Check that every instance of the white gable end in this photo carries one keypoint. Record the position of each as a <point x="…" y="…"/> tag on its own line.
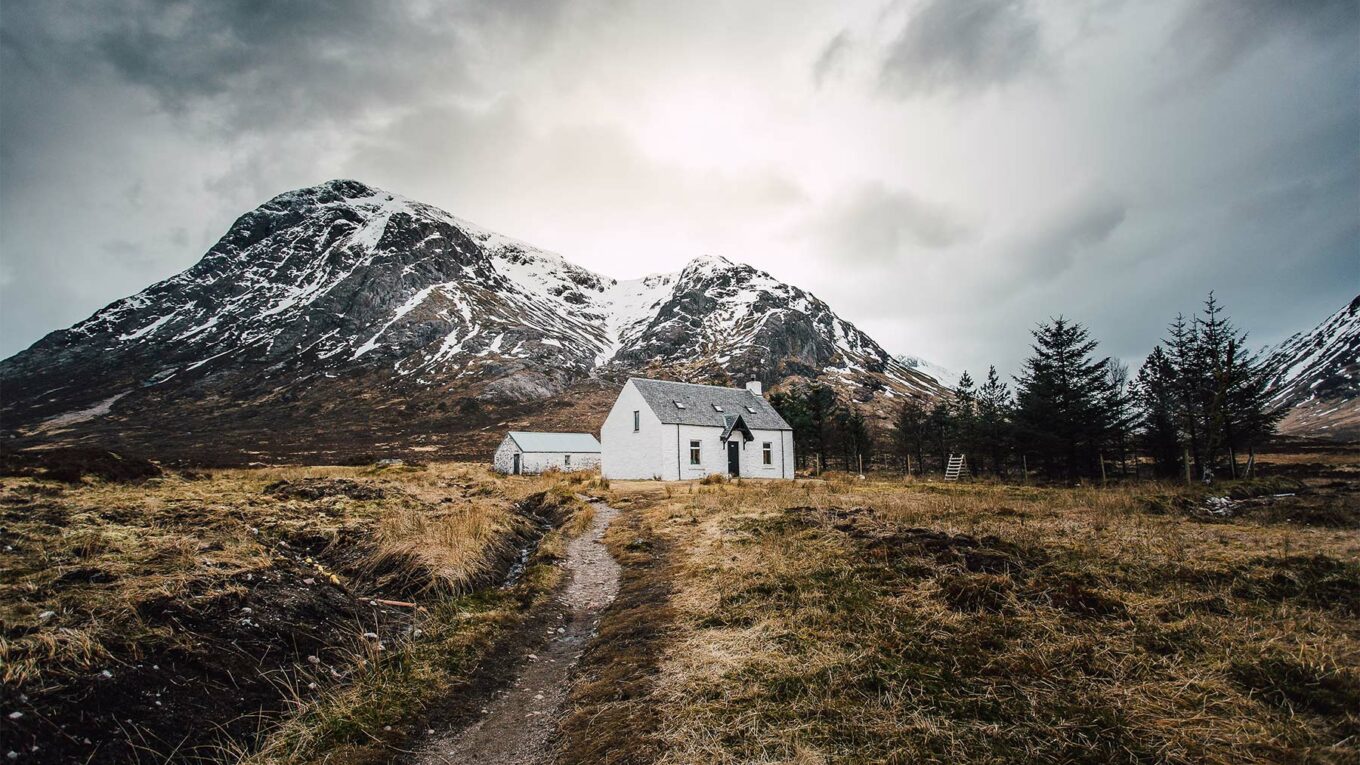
<point x="638" y="442"/>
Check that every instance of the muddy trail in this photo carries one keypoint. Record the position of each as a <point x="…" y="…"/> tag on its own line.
<point x="517" y="725"/>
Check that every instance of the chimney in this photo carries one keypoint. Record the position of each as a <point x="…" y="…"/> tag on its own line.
<point x="754" y="387"/>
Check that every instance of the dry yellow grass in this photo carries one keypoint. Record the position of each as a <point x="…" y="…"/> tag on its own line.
<point x="239" y="572"/>
<point x="881" y="621"/>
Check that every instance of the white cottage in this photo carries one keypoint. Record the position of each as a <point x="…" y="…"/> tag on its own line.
<point x="528" y="453"/>
<point x="679" y="431"/>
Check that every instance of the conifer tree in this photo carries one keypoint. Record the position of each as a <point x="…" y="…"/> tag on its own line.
<point x="822" y="408"/>
<point x="1154" y="394"/>
<point x="963" y="414"/>
<point x="792" y="406"/>
<point x="910" y="432"/>
<point x="994" y="407"/>
<point x="1063" y="413"/>
<point x="856" y="440"/>
<point x="1207" y="391"/>
<point x="940" y="426"/>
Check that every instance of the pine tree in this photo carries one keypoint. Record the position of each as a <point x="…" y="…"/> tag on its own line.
<point x="964" y="416"/>
<point x="1208" y="390"/>
<point x="1063" y="412"/>
<point x="994" y="408"/>
<point x="857" y="441"/>
<point x="792" y="406"/>
<point x="1154" y="394"/>
<point x="822" y="409"/>
<point x="940" y="426"/>
<point x="910" y="433"/>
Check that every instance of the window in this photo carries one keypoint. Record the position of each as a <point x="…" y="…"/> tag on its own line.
<point x="766" y="453"/>
<point x="566" y="459"/>
<point x="637" y="420"/>
<point x="694" y="453"/>
<point x="679" y="405"/>
<point x="717" y="408"/>
<point x="751" y="409"/>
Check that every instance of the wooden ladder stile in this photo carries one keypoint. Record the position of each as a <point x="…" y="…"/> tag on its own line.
<point x="955" y="468"/>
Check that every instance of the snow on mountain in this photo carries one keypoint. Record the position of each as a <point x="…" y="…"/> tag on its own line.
<point x="347" y="283"/>
<point x="1317" y="377"/>
<point x="946" y="377"/>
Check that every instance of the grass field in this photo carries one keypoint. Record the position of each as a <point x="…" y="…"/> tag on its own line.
<point x="854" y="621"/>
<point x="309" y="615"/>
<point x="290" y="610"/>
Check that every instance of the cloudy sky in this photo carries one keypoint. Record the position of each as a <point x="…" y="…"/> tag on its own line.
<point x="945" y="173"/>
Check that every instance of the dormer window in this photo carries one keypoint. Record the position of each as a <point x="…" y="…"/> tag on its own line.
<point x="717" y="408"/>
<point x="751" y="409"/>
<point x="679" y="405"/>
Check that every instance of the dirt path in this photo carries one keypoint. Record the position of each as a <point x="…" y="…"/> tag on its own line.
<point x="517" y="726"/>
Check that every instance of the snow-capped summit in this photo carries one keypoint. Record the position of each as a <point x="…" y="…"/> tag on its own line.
<point x="1316" y="377"/>
<point x="346" y="286"/>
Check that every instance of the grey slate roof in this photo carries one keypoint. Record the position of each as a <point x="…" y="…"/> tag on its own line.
<point x="661" y="396"/>
<point x="566" y="443"/>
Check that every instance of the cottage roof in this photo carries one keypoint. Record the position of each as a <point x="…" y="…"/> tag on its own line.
<point x="707" y="404"/>
<point x="529" y="441"/>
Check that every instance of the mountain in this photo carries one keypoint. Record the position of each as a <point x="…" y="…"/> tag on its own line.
<point x="342" y="318"/>
<point x="945" y="377"/>
<point x="1316" y="377"/>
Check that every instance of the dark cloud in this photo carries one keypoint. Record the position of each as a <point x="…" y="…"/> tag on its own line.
<point x="632" y="136"/>
<point x="877" y="224"/>
<point x="1217" y="33"/>
<point x="1070" y="234"/>
<point x="962" y="45"/>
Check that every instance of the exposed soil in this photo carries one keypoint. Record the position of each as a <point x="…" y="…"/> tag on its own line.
<point x="70" y="465"/>
<point x="518" y="725"/>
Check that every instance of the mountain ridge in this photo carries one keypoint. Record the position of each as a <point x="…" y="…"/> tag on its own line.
<point x="347" y="288"/>
<point x="1316" y="377"/>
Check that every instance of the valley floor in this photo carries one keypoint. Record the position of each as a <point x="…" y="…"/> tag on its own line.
<point x="816" y="621"/>
<point x="848" y="621"/>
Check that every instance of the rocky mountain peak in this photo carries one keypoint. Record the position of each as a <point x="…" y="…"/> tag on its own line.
<point x="344" y="286"/>
<point x="1316" y="377"/>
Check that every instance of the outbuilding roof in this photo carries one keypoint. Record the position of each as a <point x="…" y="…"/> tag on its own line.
<point x="574" y="443"/>
<point x="691" y="404"/>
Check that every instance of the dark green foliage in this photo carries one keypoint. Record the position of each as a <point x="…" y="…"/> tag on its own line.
<point x="823" y="426"/>
<point x="1066" y="403"/>
<point x="1204" y="395"/>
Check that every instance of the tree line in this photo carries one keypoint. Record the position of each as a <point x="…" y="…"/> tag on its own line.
<point x="1196" y="408"/>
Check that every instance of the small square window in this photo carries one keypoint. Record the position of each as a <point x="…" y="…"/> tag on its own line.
<point x="717" y="408"/>
<point x="679" y="405"/>
<point x="694" y="448"/>
<point x="751" y="409"/>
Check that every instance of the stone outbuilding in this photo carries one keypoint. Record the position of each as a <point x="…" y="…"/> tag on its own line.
<point x="529" y="453"/>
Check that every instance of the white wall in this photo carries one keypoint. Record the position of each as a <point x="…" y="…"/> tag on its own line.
<point x="537" y="462"/>
<point x="659" y="450"/>
<point x="628" y="454"/>
<point x="713" y="453"/>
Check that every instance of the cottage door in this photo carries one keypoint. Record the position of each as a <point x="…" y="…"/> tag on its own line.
<point x="516" y="468"/>
<point x="733" y="458"/>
